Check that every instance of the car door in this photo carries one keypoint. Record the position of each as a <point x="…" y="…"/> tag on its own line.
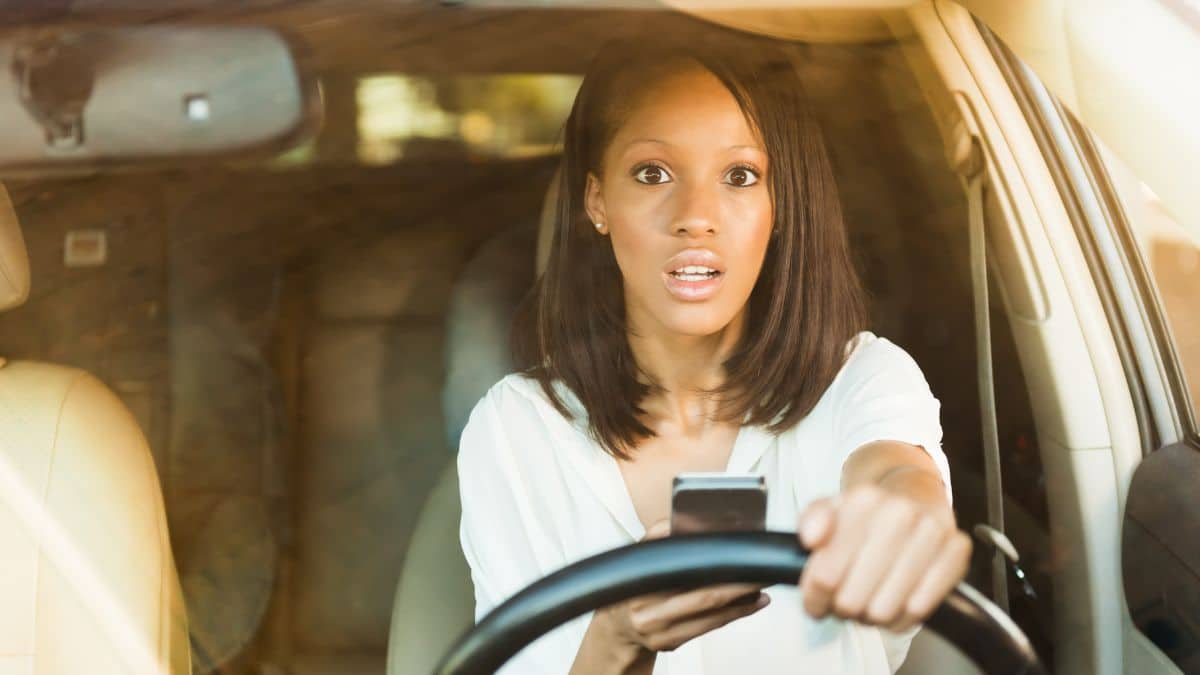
<point x="1113" y="124"/>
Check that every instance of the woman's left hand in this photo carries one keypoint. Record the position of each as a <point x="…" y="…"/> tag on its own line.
<point x="879" y="557"/>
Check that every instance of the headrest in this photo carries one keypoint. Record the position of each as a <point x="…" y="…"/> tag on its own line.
<point x="14" y="262"/>
<point x="546" y="224"/>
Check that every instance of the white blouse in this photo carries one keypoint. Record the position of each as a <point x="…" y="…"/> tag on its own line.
<point x="539" y="494"/>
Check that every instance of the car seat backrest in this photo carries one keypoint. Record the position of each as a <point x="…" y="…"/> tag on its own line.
<point x="86" y="570"/>
<point x="14" y="261"/>
<point x="478" y="322"/>
<point x="434" y="599"/>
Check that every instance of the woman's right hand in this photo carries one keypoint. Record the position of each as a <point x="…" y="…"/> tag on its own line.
<point x="661" y="622"/>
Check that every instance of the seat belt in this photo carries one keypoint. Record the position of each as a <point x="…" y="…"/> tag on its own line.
<point x="967" y="159"/>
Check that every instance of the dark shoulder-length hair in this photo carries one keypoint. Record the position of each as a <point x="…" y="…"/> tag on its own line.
<point x="804" y="308"/>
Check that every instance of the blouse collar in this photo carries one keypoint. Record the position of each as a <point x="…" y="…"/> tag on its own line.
<point x="600" y="472"/>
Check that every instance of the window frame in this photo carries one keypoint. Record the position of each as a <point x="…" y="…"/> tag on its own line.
<point x="1125" y="288"/>
<point x="1138" y="277"/>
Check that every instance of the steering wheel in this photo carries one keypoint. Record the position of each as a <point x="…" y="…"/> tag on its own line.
<point x="965" y="618"/>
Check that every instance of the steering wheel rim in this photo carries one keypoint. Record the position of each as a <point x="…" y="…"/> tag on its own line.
<point x="984" y="634"/>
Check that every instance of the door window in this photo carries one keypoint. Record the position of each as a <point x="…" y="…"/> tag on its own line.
<point x="1171" y="252"/>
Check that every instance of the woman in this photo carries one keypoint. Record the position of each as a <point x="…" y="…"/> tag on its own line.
<point x="700" y="312"/>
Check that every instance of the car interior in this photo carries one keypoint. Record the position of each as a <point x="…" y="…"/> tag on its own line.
<point x="294" y="340"/>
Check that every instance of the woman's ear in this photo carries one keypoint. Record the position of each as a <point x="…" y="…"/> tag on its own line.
<point x="593" y="203"/>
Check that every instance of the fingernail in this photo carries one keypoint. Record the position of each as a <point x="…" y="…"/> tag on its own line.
<point x="763" y="600"/>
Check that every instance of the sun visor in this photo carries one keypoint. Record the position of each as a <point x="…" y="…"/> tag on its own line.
<point x="851" y="22"/>
<point x="14" y="262"/>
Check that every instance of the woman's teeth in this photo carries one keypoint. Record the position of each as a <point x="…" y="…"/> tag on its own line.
<point x="694" y="273"/>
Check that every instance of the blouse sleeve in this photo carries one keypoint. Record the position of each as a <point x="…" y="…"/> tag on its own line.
<point x="499" y="529"/>
<point x="882" y="395"/>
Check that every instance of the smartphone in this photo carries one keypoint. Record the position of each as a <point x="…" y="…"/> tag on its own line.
<point x="718" y="502"/>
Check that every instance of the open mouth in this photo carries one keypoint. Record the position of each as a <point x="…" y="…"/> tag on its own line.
<point x="693" y="275"/>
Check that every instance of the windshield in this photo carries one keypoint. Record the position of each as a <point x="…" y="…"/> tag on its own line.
<point x="299" y="327"/>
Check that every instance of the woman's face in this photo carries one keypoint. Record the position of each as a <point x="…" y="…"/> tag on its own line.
<point x="683" y="194"/>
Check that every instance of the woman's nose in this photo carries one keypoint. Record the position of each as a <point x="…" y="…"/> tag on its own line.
<point x="697" y="212"/>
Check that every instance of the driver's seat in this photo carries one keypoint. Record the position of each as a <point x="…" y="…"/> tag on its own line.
<point x="86" y="574"/>
<point x="434" y="600"/>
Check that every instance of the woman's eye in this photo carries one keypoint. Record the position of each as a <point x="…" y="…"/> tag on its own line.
<point x="652" y="175"/>
<point x="741" y="177"/>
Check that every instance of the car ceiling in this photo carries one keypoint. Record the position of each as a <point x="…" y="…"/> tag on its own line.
<point x="403" y="36"/>
<point x="408" y="37"/>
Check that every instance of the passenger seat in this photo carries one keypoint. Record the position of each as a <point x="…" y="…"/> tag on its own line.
<point x="87" y="577"/>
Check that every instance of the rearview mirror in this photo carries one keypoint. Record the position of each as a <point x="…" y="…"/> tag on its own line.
<point x="112" y="96"/>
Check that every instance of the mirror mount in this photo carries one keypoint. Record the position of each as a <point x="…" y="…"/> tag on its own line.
<point x="55" y="80"/>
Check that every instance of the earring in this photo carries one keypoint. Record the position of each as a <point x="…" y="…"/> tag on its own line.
<point x="599" y="227"/>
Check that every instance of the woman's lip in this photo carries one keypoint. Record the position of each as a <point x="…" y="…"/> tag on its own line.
<point x="692" y="291"/>
<point x="697" y="257"/>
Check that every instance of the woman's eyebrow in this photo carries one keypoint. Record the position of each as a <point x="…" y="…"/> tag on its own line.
<point x="646" y="140"/>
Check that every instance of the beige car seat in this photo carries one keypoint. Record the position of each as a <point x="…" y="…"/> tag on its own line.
<point x="86" y="573"/>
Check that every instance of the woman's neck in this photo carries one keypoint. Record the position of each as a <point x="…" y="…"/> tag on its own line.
<point x="683" y="368"/>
